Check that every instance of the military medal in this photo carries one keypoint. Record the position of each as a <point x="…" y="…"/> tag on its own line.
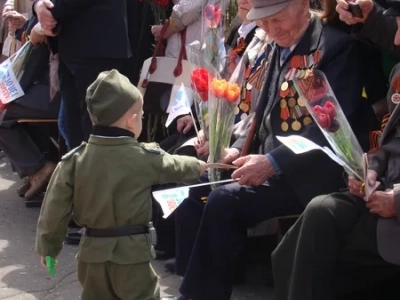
<point x="295" y="62"/>
<point x="244" y="107"/>
<point x="284" y="115"/>
<point x="296" y="125"/>
<point x="292" y="102"/>
<point x="285" y="90"/>
<point x="307" y="121"/>
<point x="396" y="87"/>
<point x="396" y="98"/>
<point x="301" y="101"/>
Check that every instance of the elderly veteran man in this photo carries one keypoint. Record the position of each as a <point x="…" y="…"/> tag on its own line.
<point x="275" y="182"/>
<point x="341" y="242"/>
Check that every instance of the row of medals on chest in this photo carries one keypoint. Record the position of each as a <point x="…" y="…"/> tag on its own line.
<point x="293" y="107"/>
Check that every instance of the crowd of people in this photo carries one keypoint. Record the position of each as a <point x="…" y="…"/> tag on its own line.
<point x="337" y="233"/>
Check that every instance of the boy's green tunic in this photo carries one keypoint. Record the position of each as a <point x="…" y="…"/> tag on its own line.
<point x="107" y="182"/>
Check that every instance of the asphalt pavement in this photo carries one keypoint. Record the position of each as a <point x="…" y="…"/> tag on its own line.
<point x="22" y="277"/>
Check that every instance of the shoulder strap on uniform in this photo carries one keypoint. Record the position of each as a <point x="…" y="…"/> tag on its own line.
<point x="73" y="151"/>
<point x="151" y="148"/>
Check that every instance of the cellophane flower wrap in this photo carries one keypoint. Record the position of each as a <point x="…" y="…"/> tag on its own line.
<point x="223" y="100"/>
<point x="200" y="73"/>
<point x="315" y="91"/>
<point x="20" y="58"/>
<point x="213" y="32"/>
<point x="159" y="8"/>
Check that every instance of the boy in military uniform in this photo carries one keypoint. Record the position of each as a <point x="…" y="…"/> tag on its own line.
<point x="107" y="183"/>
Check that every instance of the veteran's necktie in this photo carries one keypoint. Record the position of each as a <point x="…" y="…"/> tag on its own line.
<point x="284" y="54"/>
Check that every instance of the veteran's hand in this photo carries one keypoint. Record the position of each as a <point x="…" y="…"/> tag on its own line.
<point x="6" y="9"/>
<point x="201" y="139"/>
<point x="42" y="9"/>
<point x="202" y="150"/>
<point x="253" y="170"/>
<point x="184" y="124"/>
<point x="356" y="187"/>
<point x="230" y="155"/>
<point x="347" y="17"/>
<point x="15" y="21"/>
<point x="382" y="203"/>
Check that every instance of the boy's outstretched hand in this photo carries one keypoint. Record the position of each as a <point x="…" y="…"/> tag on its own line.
<point x="43" y="262"/>
<point x="203" y="167"/>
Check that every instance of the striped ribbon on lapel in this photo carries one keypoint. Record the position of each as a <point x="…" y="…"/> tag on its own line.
<point x="375" y="135"/>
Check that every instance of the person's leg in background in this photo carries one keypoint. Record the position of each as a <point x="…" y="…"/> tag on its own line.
<point x="76" y="75"/>
<point x="71" y="107"/>
<point x="84" y="73"/>
<point x="23" y="153"/>
<point x="62" y="125"/>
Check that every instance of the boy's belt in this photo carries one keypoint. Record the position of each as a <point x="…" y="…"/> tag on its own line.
<point x="116" y="232"/>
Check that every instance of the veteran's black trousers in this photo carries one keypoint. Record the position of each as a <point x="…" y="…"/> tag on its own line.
<point x="222" y="234"/>
<point x="75" y="77"/>
<point x="330" y="251"/>
<point x="20" y="144"/>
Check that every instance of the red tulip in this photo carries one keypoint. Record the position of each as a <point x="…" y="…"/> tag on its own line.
<point x="213" y="15"/>
<point x="324" y="120"/>
<point x="200" y="79"/>
<point x="330" y="109"/>
<point x="318" y="109"/>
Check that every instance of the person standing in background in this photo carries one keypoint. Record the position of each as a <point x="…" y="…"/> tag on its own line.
<point x="92" y="37"/>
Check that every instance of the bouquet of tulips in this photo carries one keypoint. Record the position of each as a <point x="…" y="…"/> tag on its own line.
<point x="200" y="73"/>
<point x="318" y="97"/>
<point x="223" y="105"/>
<point x="217" y="76"/>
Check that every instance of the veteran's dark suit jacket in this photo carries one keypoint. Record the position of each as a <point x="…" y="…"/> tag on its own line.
<point x="379" y="31"/>
<point x="313" y="173"/>
<point x="92" y="29"/>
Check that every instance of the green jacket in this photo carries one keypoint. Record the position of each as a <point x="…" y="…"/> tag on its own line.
<point x="107" y="183"/>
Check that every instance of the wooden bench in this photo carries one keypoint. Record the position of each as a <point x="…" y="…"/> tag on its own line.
<point x="57" y="141"/>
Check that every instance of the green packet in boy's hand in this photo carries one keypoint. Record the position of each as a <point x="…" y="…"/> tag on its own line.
<point x="51" y="266"/>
